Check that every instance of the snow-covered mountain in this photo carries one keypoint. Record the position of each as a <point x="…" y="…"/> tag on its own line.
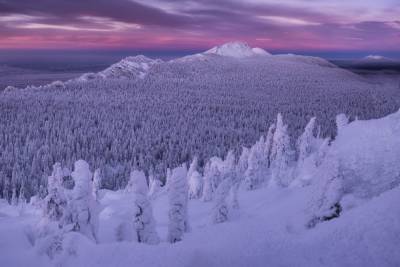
<point x="135" y="67"/>
<point x="237" y="50"/>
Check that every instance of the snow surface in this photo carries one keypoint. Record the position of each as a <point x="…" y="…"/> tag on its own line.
<point x="269" y="228"/>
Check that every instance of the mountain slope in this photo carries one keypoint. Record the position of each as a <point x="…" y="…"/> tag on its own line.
<point x="135" y="67"/>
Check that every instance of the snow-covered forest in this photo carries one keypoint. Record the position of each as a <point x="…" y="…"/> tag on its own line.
<point x="334" y="204"/>
<point x="152" y="115"/>
<point x="231" y="157"/>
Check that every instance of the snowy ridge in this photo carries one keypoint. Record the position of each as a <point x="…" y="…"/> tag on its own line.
<point x="305" y="59"/>
<point x="135" y="67"/>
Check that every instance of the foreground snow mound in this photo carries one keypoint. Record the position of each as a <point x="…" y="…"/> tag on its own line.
<point x="237" y="50"/>
<point x="128" y="68"/>
<point x="369" y="155"/>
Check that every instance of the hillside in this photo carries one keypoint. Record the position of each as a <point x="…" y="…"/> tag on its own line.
<point x="155" y="115"/>
<point x="269" y="225"/>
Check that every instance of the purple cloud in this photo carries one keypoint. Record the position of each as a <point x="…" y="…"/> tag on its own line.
<point x="162" y="24"/>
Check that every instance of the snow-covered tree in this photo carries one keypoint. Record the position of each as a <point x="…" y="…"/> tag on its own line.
<point x="55" y="210"/>
<point x="97" y="178"/>
<point x="242" y="164"/>
<point x="193" y="166"/>
<point x="83" y="210"/>
<point x="155" y="187"/>
<point x="306" y="142"/>
<point x="241" y="168"/>
<point x="178" y="205"/>
<point x="144" y="224"/>
<point x="257" y="166"/>
<point x="195" y="180"/>
<point x="14" y="197"/>
<point x="268" y="144"/>
<point x="281" y="155"/>
<point x="168" y="179"/>
<point x="220" y="209"/>
<point x="195" y="185"/>
<point x="307" y="145"/>
<point x="212" y="178"/>
<point x="55" y="203"/>
<point x="328" y="191"/>
<point x="21" y="196"/>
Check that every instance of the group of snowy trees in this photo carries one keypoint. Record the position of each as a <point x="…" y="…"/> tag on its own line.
<point x="68" y="210"/>
<point x="271" y="162"/>
<point x="178" y="111"/>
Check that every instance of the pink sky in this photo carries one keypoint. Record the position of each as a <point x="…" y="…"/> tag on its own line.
<point x="186" y="24"/>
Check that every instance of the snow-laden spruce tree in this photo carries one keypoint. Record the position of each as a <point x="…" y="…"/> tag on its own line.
<point x="97" y="178"/>
<point x="328" y="191"/>
<point x="307" y="146"/>
<point x="257" y="166"/>
<point x="281" y="155"/>
<point x="178" y="205"/>
<point x="220" y="210"/>
<point x="167" y="179"/>
<point x="212" y="178"/>
<point x="21" y="196"/>
<point x="16" y="180"/>
<point x="195" y="180"/>
<point x="14" y="197"/>
<point x="241" y="168"/>
<point x="83" y="210"/>
<point x="306" y="142"/>
<point x="195" y="185"/>
<point x="257" y="172"/>
<point x="55" y="202"/>
<point x="268" y="144"/>
<point x="55" y="208"/>
<point x="154" y="187"/>
<point x="193" y="166"/>
<point x="242" y="164"/>
<point x="144" y="224"/>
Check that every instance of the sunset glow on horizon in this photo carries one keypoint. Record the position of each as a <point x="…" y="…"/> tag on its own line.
<point x="186" y="24"/>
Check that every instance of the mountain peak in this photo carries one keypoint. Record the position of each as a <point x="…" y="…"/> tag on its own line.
<point x="237" y="49"/>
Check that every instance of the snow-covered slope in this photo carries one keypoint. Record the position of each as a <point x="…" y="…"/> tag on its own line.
<point x="369" y="151"/>
<point x="128" y="68"/>
<point x="305" y="59"/>
<point x="237" y="50"/>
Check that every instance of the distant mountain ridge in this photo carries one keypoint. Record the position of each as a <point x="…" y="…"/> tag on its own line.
<point x="138" y="67"/>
